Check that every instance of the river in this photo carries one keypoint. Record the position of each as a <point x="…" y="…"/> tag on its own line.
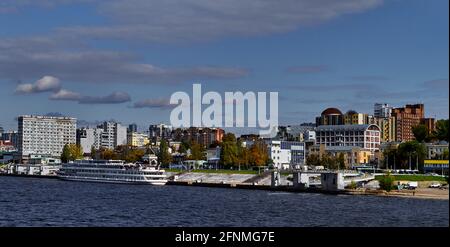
<point x="52" y="202"/>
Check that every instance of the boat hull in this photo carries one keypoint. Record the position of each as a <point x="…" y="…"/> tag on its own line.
<point x="113" y="181"/>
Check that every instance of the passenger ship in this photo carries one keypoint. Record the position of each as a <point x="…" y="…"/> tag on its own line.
<point x="111" y="171"/>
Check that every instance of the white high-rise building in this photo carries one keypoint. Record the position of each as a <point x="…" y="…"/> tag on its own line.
<point x="107" y="135"/>
<point x="88" y="138"/>
<point x="382" y="110"/>
<point x="44" y="135"/>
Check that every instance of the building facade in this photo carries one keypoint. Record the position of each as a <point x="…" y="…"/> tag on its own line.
<point x="203" y="136"/>
<point x="89" y="138"/>
<point x="286" y="154"/>
<point x="157" y="132"/>
<point x="12" y="137"/>
<point x="330" y="116"/>
<point x="352" y="155"/>
<point x="44" y="135"/>
<point x="353" y="117"/>
<point x="406" y="118"/>
<point x="113" y="135"/>
<point x="382" y="110"/>
<point x="366" y="136"/>
<point x="387" y="128"/>
<point x="137" y="139"/>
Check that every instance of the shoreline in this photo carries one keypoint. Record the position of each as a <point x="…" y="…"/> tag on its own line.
<point x="419" y="193"/>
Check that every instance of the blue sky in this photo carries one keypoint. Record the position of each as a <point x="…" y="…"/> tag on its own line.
<point x="99" y="60"/>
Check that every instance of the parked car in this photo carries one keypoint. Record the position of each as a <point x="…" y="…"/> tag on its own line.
<point x="435" y="185"/>
<point x="412" y="185"/>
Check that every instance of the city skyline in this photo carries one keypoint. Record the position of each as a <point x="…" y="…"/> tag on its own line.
<point x="116" y="63"/>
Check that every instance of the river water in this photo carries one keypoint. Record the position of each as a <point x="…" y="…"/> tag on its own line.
<point x="52" y="202"/>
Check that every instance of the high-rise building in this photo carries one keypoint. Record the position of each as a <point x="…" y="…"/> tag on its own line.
<point x="406" y="118"/>
<point x="132" y="128"/>
<point x="382" y="110"/>
<point x="160" y="131"/>
<point x="89" y="138"/>
<point x="113" y="135"/>
<point x="387" y="128"/>
<point x="107" y="135"/>
<point x="44" y="135"/>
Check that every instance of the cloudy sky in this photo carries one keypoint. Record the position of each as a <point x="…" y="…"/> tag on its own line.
<point x="122" y="59"/>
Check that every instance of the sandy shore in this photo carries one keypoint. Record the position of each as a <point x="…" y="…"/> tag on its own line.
<point x="420" y="193"/>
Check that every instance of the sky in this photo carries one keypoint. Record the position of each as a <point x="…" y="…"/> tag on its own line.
<point x="122" y="59"/>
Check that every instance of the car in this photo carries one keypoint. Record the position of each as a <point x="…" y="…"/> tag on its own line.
<point x="435" y="185"/>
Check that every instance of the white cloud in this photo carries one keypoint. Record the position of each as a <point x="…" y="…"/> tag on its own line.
<point x="64" y="94"/>
<point x="45" y="84"/>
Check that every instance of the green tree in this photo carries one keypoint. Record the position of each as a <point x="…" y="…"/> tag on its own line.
<point x="229" y="155"/>
<point x="341" y="161"/>
<point x="411" y="152"/>
<point x="65" y="156"/>
<point x="386" y="182"/>
<point x="197" y="151"/>
<point x="391" y="157"/>
<point x="420" y="132"/>
<point x="445" y="154"/>
<point x="93" y="152"/>
<point x="164" y="157"/>
<point x="441" y="132"/>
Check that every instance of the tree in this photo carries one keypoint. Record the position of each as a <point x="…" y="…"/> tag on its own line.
<point x="313" y="160"/>
<point x="258" y="154"/>
<point x="65" y="156"/>
<point x="391" y="157"/>
<point x="164" y="157"/>
<point x="229" y="155"/>
<point x="184" y="147"/>
<point x="341" y="161"/>
<point x="197" y="151"/>
<point x="441" y="132"/>
<point x="243" y="155"/>
<point x="93" y="152"/>
<point x="386" y="182"/>
<point x="420" y="132"/>
<point x="71" y="152"/>
<point x="408" y="151"/>
<point x="445" y="154"/>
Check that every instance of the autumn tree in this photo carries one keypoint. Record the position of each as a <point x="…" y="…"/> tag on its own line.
<point x="71" y="152"/>
<point x="258" y="153"/>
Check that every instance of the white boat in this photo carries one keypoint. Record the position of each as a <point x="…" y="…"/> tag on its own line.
<point x="111" y="171"/>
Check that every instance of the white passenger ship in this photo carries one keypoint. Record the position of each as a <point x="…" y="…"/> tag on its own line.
<point x="111" y="171"/>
